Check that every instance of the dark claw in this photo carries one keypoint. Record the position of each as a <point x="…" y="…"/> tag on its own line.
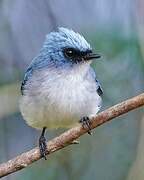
<point x="42" y="145"/>
<point x="86" y="123"/>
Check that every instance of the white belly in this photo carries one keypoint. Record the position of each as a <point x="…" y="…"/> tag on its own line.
<point x="59" y="103"/>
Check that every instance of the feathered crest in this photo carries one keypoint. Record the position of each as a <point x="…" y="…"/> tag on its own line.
<point x="66" y="38"/>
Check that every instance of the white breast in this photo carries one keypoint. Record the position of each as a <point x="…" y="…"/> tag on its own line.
<point x="59" y="99"/>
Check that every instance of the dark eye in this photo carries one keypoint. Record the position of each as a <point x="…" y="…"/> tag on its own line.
<point x="71" y="53"/>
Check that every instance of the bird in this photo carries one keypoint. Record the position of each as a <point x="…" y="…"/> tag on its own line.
<point x="60" y="88"/>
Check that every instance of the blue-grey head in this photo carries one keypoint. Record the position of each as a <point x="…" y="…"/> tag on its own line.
<point x="67" y="47"/>
<point x="63" y="48"/>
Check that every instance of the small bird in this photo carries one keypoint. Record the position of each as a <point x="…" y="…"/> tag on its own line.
<point x="60" y="88"/>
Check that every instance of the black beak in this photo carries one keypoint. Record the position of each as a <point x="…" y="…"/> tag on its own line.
<point x="92" y="56"/>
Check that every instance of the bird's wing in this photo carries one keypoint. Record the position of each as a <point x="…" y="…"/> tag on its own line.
<point x="27" y="75"/>
<point x="98" y="86"/>
<point x="38" y="62"/>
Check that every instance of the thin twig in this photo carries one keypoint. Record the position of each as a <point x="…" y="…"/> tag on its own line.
<point x="66" y="138"/>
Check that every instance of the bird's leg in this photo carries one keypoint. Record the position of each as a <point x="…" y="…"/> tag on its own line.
<point x="42" y="144"/>
<point x="86" y="123"/>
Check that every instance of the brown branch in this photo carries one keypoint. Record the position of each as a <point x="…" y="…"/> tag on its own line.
<point x="66" y="138"/>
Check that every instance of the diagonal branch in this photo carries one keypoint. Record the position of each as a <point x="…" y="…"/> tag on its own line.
<point x="67" y="137"/>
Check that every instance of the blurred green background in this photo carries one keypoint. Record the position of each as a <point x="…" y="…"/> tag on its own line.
<point x="115" y="28"/>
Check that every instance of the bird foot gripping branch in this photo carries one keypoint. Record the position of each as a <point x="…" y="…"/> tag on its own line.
<point x="86" y="123"/>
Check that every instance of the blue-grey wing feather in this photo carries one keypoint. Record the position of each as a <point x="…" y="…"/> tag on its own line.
<point x="98" y="85"/>
<point x="99" y="88"/>
<point x="37" y="63"/>
<point x="27" y="75"/>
